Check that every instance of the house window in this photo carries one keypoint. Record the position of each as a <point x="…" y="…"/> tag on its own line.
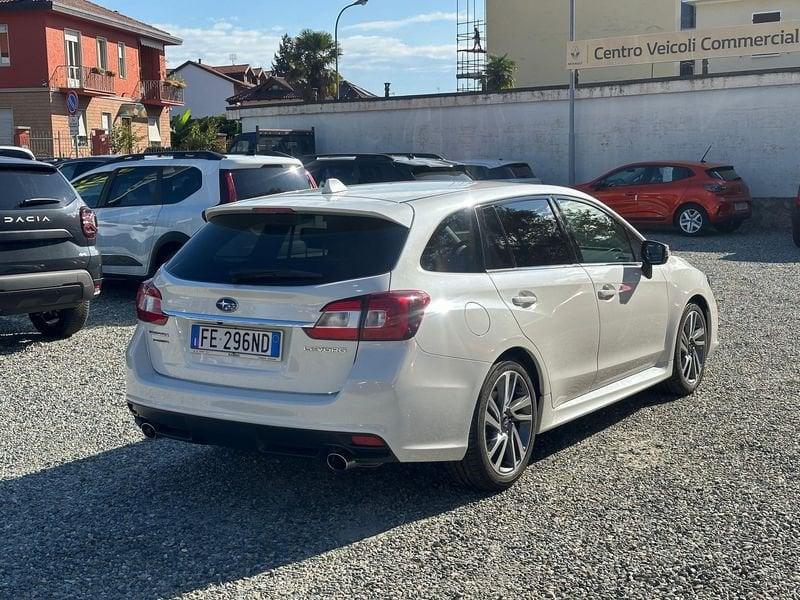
<point x="102" y="54"/>
<point x="153" y="132"/>
<point x="767" y="17"/>
<point x="121" y="68"/>
<point x="5" y="53"/>
<point x="688" y="16"/>
<point x="105" y="121"/>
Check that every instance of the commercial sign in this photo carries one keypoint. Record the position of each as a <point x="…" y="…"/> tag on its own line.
<point x="692" y="44"/>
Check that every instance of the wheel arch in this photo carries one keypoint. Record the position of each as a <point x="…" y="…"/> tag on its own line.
<point x="535" y="372"/>
<point x="172" y="239"/>
<point x="688" y="202"/>
<point x="700" y="300"/>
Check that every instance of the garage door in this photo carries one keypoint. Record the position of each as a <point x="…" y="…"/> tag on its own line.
<point x="6" y="126"/>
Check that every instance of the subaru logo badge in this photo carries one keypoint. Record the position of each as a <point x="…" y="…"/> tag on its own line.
<point x="227" y="305"/>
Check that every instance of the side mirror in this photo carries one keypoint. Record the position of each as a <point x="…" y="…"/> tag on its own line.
<point x="653" y="254"/>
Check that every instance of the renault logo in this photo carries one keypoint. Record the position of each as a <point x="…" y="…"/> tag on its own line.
<point x="575" y="52"/>
<point x="227" y="305"/>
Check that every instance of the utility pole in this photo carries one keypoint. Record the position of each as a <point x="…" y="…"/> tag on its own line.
<point x="572" y="98"/>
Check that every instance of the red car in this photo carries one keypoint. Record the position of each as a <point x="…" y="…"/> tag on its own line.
<point x="692" y="196"/>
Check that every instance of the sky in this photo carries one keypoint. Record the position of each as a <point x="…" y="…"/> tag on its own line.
<point x="410" y="43"/>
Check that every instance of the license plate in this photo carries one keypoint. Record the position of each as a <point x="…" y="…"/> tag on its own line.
<point x="237" y="342"/>
<point x="740" y="206"/>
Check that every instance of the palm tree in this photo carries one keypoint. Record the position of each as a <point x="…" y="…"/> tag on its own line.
<point x="313" y="53"/>
<point x="499" y="73"/>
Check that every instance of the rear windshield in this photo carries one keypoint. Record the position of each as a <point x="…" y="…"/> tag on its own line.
<point x="522" y="171"/>
<point x="19" y="185"/>
<point x="724" y="173"/>
<point x="440" y="174"/>
<point x="289" y="249"/>
<point x="270" y="179"/>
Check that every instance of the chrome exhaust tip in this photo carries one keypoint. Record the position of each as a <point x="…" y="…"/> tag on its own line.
<point x="339" y="463"/>
<point x="149" y="431"/>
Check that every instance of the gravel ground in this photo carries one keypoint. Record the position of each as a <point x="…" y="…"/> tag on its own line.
<point x="651" y="497"/>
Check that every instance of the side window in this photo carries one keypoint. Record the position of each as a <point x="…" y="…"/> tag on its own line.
<point x="496" y="250"/>
<point x="373" y="173"/>
<point x="134" y="186"/>
<point x="630" y="176"/>
<point x="344" y="171"/>
<point x="600" y="238"/>
<point x="178" y="183"/>
<point x="453" y="247"/>
<point x="534" y="235"/>
<point x="669" y="174"/>
<point x="90" y="188"/>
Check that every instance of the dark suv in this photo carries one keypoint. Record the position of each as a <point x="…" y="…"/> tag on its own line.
<point x="49" y="267"/>
<point x="353" y="169"/>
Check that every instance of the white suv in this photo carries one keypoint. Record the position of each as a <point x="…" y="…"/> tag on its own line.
<point x="412" y="322"/>
<point x="149" y="205"/>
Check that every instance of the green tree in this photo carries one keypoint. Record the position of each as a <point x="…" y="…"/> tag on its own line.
<point x="499" y="73"/>
<point x="124" y="139"/>
<point x="305" y="62"/>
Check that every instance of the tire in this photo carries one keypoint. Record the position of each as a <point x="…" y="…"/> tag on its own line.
<point x="691" y="341"/>
<point x="490" y="463"/>
<point x="728" y="226"/>
<point x="691" y="220"/>
<point x="61" y="324"/>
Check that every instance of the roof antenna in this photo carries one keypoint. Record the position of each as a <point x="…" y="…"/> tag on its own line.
<point x="702" y="160"/>
<point x="233" y="57"/>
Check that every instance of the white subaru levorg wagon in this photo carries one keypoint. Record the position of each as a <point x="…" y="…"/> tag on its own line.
<point x="411" y="322"/>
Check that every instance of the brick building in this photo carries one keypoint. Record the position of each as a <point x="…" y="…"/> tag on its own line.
<point x="114" y="63"/>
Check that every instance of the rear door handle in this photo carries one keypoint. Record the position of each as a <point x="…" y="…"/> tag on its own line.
<point x="607" y="292"/>
<point x="526" y="299"/>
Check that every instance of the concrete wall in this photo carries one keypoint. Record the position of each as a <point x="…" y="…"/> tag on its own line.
<point x="751" y="120"/>
<point x="205" y="93"/>
<point x="712" y="13"/>
<point x="535" y="32"/>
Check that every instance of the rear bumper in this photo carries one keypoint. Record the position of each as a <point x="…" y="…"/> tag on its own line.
<point x="420" y="404"/>
<point x="728" y="211"/>
<point x="263" y="438"/>
<point x="38" y="292"/>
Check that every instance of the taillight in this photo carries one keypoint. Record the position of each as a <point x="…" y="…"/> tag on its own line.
<point x="228" y="188"/>
<point x="384" y="317"/>
<point x="89" y="223"/>
<point x="312" y="183"/>
<point x="716" y="188"/>
<point x="148" y="304"/>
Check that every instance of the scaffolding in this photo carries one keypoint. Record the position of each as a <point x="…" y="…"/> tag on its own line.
<point x="471" y="45"/>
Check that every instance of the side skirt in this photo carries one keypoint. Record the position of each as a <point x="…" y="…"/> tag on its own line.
<point x="597" y="399"/>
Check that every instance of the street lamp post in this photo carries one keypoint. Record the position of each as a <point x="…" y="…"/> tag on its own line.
<point x="336" y="38"/>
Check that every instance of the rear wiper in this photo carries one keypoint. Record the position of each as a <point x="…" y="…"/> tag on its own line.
<point x="38" y="201"/>
<point x="272" y="274"/>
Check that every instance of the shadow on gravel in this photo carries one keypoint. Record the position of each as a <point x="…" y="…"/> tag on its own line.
<point x="157" y="519"/>
<point x="574" y="432"/>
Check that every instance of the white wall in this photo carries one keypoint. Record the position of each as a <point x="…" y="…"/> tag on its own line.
<point x="205" y="93"/>
<point x="752" y="121"/>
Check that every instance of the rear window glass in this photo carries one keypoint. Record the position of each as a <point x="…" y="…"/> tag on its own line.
<point x="26" y="184"/>
<point x="427" y="174"/>
<point x="289" y="249"/>
<point x="271" y="179"/>
<point x="724" y="173"/>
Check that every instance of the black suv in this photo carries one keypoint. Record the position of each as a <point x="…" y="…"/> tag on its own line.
<point x="49" y="267"/>
<point x="353" y="169"/>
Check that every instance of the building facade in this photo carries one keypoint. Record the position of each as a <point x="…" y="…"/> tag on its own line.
<point x="208" y="88"/>
<point x="535" y="35"/>
<point x="733" y="13"/>
<point x="115" y="65"/>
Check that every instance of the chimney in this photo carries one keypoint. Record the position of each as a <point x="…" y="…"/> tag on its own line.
<point x="386" y="87"/>
<point x="199" y="61"/>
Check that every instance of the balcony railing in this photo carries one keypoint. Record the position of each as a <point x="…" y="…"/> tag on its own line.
<point x="160" y="92"/>
<point x="82" y="79"/>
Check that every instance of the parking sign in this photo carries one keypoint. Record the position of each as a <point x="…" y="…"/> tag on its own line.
<point x="74" y="125"/>
<point x="72" y="103"/>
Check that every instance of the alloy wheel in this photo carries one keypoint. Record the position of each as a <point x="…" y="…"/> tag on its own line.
<point x="508" y="423"/>
<point x="690" y="221"/>
<point x="693" y="347"/>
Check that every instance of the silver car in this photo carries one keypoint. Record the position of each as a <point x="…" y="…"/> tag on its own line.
<point x="408" y="322"/>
